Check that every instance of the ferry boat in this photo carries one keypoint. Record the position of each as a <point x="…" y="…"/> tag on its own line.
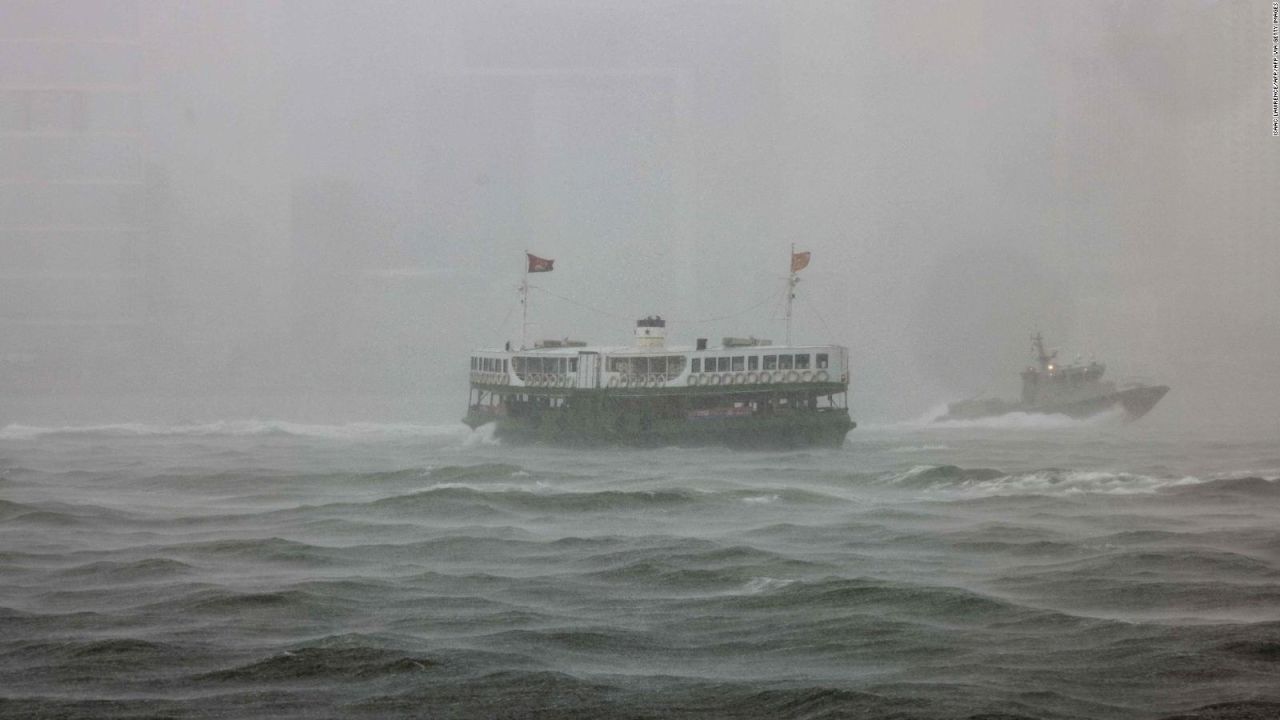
<point x="742" y="393"/>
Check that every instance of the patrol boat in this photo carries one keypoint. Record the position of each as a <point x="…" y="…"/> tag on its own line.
<point x="742" y="393"/>
<point x="1074" y="390"/>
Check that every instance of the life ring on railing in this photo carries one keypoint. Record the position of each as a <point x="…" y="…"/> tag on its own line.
<point x="739" y="378"/>
<point x="613" y="381"/>
<point x="713" y="379"/>
<point x="821" y="376"/>
<point x="691" y="381"/>
<point x="806" y="375"/>
<point x="793" y="376"/>
<point x="726" y="378"/>
<point x="753" y="378"/>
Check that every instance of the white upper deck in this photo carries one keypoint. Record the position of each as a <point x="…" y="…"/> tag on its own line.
<point x="587" y="366"/>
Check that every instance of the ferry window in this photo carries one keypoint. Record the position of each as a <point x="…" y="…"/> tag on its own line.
<point x="770" y="362"/>
<point x="696" y="366"/>
<point x="753" y="362"/>
<point x="675" y="365"/>
<point x="615" y="365"/>
<point x="822" y="361"/>
<point x="739" y="363"/>
<point x="504" y="365"/>
<point x="802" y="361"/>
<point x="784" y="362"/>
<point x="573" y="365"/>
<point x="722" y="364"/>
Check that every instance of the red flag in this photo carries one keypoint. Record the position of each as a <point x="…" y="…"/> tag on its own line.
<point x="537" y="264"/>
<point x="799" y="261"/>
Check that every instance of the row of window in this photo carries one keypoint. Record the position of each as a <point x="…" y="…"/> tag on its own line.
<point x="483" y="364"/>
<point x="545" y="365"/>
<point x="737" y="363"/>
<point x="669" y="365"/>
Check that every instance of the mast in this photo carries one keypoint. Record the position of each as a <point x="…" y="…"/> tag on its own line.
<point x="524" y="302"/>
<point x="792" y="280"/>
<point x="1037" y="345"/>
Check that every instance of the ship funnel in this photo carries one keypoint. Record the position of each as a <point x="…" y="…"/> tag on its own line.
<point x="651" y="332"/>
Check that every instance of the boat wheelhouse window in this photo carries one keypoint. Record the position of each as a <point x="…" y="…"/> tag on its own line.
<point x="802" y="361"/>
<point x="770" y="362"/>
<point x="722" y="364"/>
<point x="739" y="363"/>
<point x="784" y="362"/>
<point x="822" y="361"/>
<point x="753" y="362"/>
<point x="696" y="365"/>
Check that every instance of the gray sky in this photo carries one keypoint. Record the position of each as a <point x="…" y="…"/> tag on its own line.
<point x="328" y="199"/>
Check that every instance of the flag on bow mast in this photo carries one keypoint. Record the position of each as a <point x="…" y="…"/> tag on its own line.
<point x="537" y="264"/>
<point x="799" y="261"/>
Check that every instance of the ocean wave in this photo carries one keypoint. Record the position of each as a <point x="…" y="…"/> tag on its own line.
<point x="241" y="428"/>
<point x="342" y="663"/>
<point x="1050" y="481"/>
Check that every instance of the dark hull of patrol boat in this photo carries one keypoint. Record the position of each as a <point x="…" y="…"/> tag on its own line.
<point x="669" y="417"/>
<point x="1135" y="402"/>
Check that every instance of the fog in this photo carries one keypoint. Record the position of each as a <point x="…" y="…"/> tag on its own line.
<point x="314" y="210"/>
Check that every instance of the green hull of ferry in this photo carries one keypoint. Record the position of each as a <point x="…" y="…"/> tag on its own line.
<point x="748" y="417"/>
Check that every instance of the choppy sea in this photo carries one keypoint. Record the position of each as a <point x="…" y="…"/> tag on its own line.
<point x="1034" y="568"/>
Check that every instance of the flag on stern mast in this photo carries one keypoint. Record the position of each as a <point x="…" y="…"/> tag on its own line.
<point x="799" y="261"/>
<point x="537" y="264"/>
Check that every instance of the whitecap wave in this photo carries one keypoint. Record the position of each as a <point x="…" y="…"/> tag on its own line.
<point x="932" y="420"/>
<point x="950" y="479"/>
<point x="758" y="585"/>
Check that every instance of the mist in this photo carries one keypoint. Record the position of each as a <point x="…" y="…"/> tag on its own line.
<point x="315" y="210"/>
